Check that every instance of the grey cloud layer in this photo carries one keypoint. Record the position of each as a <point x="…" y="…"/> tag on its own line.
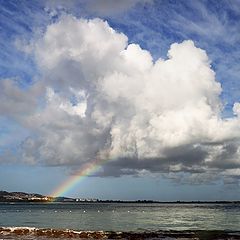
<point x="107" y="98"/>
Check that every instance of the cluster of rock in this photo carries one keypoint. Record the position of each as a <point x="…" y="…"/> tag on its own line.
<point x="63" y="234"/>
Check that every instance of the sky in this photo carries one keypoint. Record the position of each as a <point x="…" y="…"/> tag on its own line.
<point x="146" y="92"/>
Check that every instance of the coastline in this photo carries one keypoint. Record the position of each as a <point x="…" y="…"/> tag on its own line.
<point x="24" y="197"/>
<point x="120" y="201"/>
<point x="42" y="233"/>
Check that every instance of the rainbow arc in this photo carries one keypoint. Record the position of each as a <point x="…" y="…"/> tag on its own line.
<point x="83" y="172"/>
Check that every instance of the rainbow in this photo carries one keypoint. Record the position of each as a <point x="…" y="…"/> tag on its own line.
<point x="83" y="172"/>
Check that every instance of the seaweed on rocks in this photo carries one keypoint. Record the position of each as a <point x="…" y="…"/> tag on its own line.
<point x="48" y="233"/>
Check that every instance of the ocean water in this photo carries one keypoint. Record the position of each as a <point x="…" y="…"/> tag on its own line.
<point x="128" y="221"/>
<point x="122" y="216"/>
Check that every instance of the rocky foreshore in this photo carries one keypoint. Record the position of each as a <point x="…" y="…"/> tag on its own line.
<point x="35" y="233"/>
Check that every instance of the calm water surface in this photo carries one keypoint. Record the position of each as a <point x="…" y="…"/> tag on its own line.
<point x="122" y="217"/>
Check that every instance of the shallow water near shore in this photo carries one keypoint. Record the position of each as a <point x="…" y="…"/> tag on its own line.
<point x="120" y="217"/>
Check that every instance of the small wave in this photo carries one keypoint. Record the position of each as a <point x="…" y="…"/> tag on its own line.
<point x="38" y="233"/>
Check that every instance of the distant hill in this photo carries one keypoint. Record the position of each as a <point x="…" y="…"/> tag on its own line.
<point x="29" y="197"/>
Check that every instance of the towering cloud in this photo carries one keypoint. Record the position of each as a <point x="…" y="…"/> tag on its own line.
<point x="107" y="98"/>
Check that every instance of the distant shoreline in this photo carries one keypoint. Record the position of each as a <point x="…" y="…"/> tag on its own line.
<point x="22" y="197"/>
<point x="122" y="201"/>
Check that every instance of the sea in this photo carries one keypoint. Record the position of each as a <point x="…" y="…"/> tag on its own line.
<point x="119" y="220"/>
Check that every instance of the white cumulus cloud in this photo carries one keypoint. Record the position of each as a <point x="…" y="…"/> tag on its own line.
<point x="106" y="97"/>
